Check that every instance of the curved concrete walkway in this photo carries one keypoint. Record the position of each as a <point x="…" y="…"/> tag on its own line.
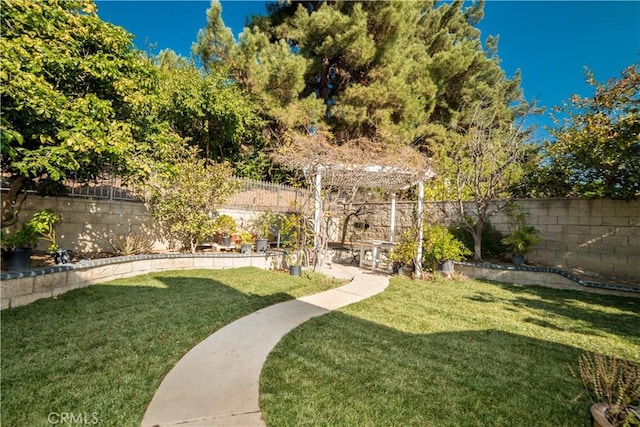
<point x="216" y="383"/>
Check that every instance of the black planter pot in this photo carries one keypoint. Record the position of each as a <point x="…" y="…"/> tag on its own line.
<point x="226" y="241"/>
<point x="262" y="245"/>
<point x="16" y="259"/>
<point x="517" y="259"/>
<point x="245" y="249"/>
<point x="295" y="270"/>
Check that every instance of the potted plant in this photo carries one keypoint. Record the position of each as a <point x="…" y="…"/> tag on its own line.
<point x="44" y="222"/>
<point x="297" y="241"/>
<point x="246" y="241"/>
<point x="225" y="225"/>
<point x="613" y="386"/>
<point x="522" y="236"/>
<point x="263" y="225"/>
<point x="404" y="252"/>
<point x="17" y="247"/>
<point x="442" y="249"/>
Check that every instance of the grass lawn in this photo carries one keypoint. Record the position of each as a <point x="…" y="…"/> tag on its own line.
<point x="446" y="353"/>
<point x="101" y="352"/>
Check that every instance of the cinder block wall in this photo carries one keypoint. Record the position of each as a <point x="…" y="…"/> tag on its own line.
<point x="601" y="236"/>
<point x="87" y="225"/>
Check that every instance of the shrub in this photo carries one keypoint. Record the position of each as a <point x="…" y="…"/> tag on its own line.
<point x="40" y="226"/>
<point x="129" y="244"/>
<point x="26" y="236"/>
<point x="185" y="200"/>
<point x="522" y="236"/>
<point x="492" y="245"/>
<point x="246" y="238"/>
<point x="43" y="223"/>
<point x="264" y="224"/>
<point x="225" y="225"/>
<point x="440" y="245"/>
<point x="404" y="252"/>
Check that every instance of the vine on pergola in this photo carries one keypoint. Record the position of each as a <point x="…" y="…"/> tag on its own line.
<point x="361" y="162"/>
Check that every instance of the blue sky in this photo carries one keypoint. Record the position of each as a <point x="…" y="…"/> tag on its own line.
<point x="549" y="41"/>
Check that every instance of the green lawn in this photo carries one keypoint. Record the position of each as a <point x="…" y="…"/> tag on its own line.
<point x="446" y="353"/>
<point x="101" y="352"/>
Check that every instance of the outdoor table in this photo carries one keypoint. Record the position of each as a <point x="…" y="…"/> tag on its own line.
<point x="374" y="246"/>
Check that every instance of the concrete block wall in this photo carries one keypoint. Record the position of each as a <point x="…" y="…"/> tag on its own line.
<point x="599" y="236"/>
<point x="88" y="225"/>
<point x="377" y="217"/>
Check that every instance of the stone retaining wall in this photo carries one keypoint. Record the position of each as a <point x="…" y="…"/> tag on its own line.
<point x="540" y="277"/>
<point x="23" y="287"/>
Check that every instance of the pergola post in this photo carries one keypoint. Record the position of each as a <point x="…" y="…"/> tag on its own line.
<point x="392" y="231"/>
<point x="418" y="261"/>
<point x="317" y="220"/>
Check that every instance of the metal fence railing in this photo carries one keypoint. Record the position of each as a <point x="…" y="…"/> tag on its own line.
<point x="111" y="188"/>
<point x="251" y="195"/>
<point x="260" y="195"/>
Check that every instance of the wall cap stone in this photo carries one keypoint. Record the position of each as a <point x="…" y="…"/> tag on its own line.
<point x="83" y="264"/>
<point x="565" y="274"/>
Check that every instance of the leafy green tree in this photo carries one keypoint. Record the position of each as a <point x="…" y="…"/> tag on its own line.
<point x="185" y="201"/>
<point x="208" y="109"/>
<point x="77" y="99"/>
<point x="477" y="170"/>
<point x="596" y="150"/>
<point x="249" y="122"/>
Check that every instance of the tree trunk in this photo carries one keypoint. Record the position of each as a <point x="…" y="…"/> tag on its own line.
<point x="12" y="203"/>
<point x="477" y="240"/>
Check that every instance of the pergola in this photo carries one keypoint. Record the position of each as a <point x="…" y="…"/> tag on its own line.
<point x="390" y="178"/>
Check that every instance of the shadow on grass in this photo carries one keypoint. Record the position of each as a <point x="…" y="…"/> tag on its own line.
<point x="104" y="349"/>
<point x="594" y="312"/>
<point x="341" y="370"/>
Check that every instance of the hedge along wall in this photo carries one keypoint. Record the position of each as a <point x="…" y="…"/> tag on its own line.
<point x="601" y="236"/>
